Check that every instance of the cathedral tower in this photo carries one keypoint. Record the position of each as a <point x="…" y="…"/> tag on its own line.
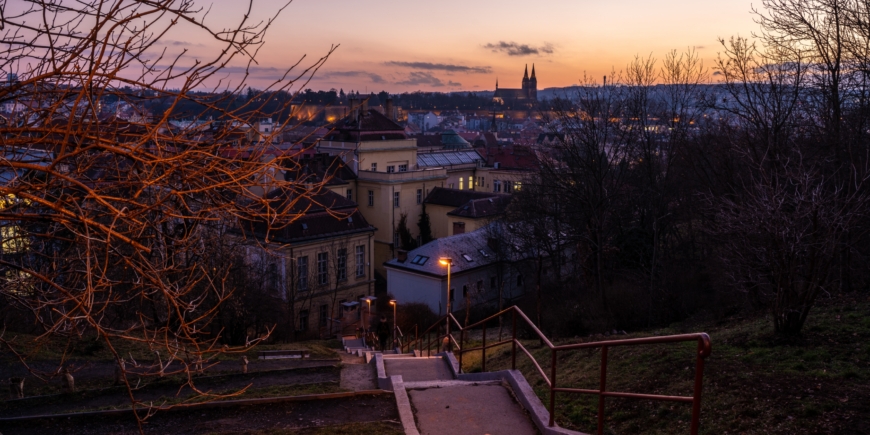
<point x="533" y="85"/>
<point x="526" y="82"/>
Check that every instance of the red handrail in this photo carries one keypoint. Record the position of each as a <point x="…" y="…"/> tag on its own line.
<point x="704" y="350"/>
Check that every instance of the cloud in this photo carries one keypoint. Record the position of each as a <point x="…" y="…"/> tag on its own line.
<point x="176" y="43"/>
<point x="441" y="67"/>
<point x="375" y="78"/>
<point x="717" y="73"/>
<point x="515" y="49"/>
<point x="422" y="78"/>
<point x="453" y="84"/>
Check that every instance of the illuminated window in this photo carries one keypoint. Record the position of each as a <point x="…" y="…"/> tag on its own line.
<point x="460" y="183"/>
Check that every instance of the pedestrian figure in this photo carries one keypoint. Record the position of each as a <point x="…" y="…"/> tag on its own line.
<point x="16" y="388"/>
<point x="383" y="333"/>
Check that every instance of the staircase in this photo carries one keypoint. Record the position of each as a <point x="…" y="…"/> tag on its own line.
<point x="434" y="399"/>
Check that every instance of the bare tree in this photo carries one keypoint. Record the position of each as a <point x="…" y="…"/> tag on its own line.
<point x="103" y="211"/>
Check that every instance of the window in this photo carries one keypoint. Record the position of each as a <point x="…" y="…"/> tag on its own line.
<point x="496" y="186"/>
<point x="420" y="260"/>
<point x="324" y="315"/>
<point x="519" y="280"/>
<point x="371" y="198"/>
<point x="461" y="183"/>
<point x="395" y="199"/>
<point x="482" y="252"/>
<point x="403" y="168"/>
<point x="374" y="167"/>
<point x="303" y="320"/>
<point x="323" y="268"/>
<point x="464" y="291"/>
<point x="508" y="187"/>
<point x="341" y="265"/>
<point x="396" y="239"/>
<point x="349" y="194"/>
<point x="452" y="185"/>
<point x="419" y="196"/>
<point x="302" y="272"/>
<point x="467" y="258"/>
<point x="458" y="228"/>
<point x="361" y="260"/>
<point x="518" y="185"/>
<point x="391" y="169"/>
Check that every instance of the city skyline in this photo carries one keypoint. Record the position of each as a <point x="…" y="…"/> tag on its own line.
<point x="466" y="46"/>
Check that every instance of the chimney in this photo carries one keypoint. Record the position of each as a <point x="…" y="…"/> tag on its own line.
<point x="388" y="109"/>
<point x="401" y="255"/>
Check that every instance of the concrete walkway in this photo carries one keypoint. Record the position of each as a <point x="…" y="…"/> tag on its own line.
<point x="477" y="410"/>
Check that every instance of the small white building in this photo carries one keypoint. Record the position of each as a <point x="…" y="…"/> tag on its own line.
<point x="477" y="272"/>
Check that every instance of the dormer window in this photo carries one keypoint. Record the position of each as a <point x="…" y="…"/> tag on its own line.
<point x="467" y="258"/>
<point x="420" y="260"/>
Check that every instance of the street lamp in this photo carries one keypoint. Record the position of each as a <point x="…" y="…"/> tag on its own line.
<point x="368" y="319"/>
<point x="447" y="261"/>
<point x="395" y="305"/>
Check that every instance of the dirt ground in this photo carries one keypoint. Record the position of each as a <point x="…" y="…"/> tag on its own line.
<point x="356" y="375"/>
<point x="223" y="420"/>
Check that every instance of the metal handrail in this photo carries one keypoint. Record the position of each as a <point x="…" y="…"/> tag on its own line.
<point x="704" y="350"/>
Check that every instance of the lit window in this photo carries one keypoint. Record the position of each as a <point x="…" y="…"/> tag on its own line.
<point x="518" y="185"/>
<point x="461" y="182"/>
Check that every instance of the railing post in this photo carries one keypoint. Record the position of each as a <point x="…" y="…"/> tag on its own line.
<point x="514" y="342"/>
<point x="483" y="367"/>
<point x="601" y="389"/>
<point x="428" y="344"/>
<point x="696" y="399"/>
<point x="461" y="347"/>
<point x="553" y="388"/>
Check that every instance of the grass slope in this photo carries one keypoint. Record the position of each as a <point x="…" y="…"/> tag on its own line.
<point x="754" y="382"/>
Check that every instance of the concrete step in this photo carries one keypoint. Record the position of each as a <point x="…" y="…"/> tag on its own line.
<point x="418" y="369"/>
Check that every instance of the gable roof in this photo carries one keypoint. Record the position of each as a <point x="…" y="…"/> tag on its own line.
<point x="467" y="251"/>
<point x="371" y="125"/>
<point x="484" y="207"/>
<point x="302" y="216"/>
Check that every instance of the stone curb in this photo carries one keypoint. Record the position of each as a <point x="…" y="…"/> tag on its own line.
<point x="406" y="413"/>
<point x="206" y="405"/>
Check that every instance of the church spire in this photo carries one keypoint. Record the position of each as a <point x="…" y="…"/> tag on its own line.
<point x="496" y="83"/>
<point x="526" y="75"/>
<point x="533" y="71"/>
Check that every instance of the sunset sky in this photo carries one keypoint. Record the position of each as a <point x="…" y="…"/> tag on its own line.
<point x="454" y="45"/>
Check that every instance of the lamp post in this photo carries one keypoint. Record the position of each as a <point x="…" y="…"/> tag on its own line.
<point x="395" y="305"/>
<point x="368" y="319"/>
<point x="447" y="261"/>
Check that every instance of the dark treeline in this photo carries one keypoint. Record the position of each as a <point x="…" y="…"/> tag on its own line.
<point x="674" y="201"/>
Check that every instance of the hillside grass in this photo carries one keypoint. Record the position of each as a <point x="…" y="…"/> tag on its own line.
<point x="754" y="382"/>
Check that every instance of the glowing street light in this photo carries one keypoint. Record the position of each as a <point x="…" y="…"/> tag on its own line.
<point x="447" y="261"/>
<point x="395" y="305"/>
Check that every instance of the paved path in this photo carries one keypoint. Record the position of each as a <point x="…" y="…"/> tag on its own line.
<point x="356" y="375"/>
<point x="472" y="410"/>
